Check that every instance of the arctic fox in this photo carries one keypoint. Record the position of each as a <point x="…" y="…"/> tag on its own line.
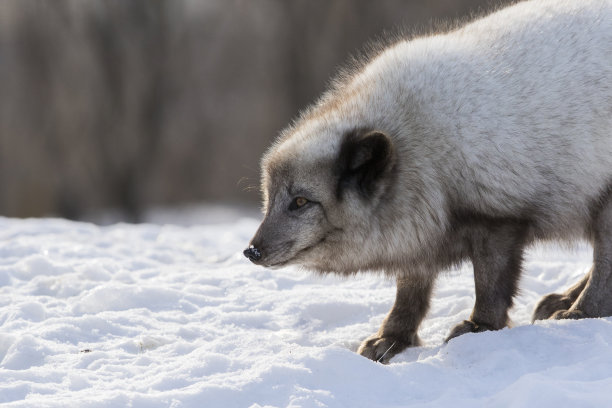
<point x="468" y="145"/>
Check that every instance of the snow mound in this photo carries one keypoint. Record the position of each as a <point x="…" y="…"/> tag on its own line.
<point x="168" y="316"/>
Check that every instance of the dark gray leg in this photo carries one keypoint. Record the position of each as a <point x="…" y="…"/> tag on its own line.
<point x="399" y="329"/>
<point x="554" y="302"/>
<point x="595" y="300"/>
<point x="496" y="250"/>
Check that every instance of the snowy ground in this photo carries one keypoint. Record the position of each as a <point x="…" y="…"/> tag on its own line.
<point x="170" y="316"/>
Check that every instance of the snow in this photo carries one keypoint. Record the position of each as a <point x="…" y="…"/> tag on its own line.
<point x="174" y="316"/>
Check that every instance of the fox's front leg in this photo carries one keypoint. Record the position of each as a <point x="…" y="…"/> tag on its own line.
<point x="496" y="251"/>
<point x="399" y="329"/>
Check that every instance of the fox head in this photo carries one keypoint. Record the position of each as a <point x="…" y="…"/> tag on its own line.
<point x="320" y="193"/>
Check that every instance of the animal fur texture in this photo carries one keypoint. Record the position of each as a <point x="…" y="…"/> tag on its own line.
<point x="462" y="146"/>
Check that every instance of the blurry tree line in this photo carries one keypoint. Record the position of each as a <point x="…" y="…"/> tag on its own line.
<point x="130" y="103"/>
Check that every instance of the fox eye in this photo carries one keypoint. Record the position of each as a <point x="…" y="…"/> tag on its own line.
<point x="298" y="202"/>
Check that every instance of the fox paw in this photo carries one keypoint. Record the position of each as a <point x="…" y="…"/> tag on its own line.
<point x="382" y="349"/>
<point x="568" y="314"/>
<point x="468" y="326"/>
<point x="549" y="305"/>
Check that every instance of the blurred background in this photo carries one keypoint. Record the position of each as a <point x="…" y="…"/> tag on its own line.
<point x="124" y="105"/>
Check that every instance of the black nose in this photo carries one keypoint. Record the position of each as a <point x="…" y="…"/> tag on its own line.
<point x="252" y="253"/>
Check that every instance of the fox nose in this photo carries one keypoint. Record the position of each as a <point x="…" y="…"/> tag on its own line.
<point x="252" y="253"/>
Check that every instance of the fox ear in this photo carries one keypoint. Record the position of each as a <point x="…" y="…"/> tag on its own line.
<point x="364" y="160"/>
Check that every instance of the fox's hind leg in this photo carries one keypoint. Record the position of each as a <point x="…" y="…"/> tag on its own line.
<point x="551" y="303"/>
<point x="595" y="300"/>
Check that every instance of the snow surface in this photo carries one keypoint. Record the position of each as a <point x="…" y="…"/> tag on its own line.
<point x="169" y="316"/>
